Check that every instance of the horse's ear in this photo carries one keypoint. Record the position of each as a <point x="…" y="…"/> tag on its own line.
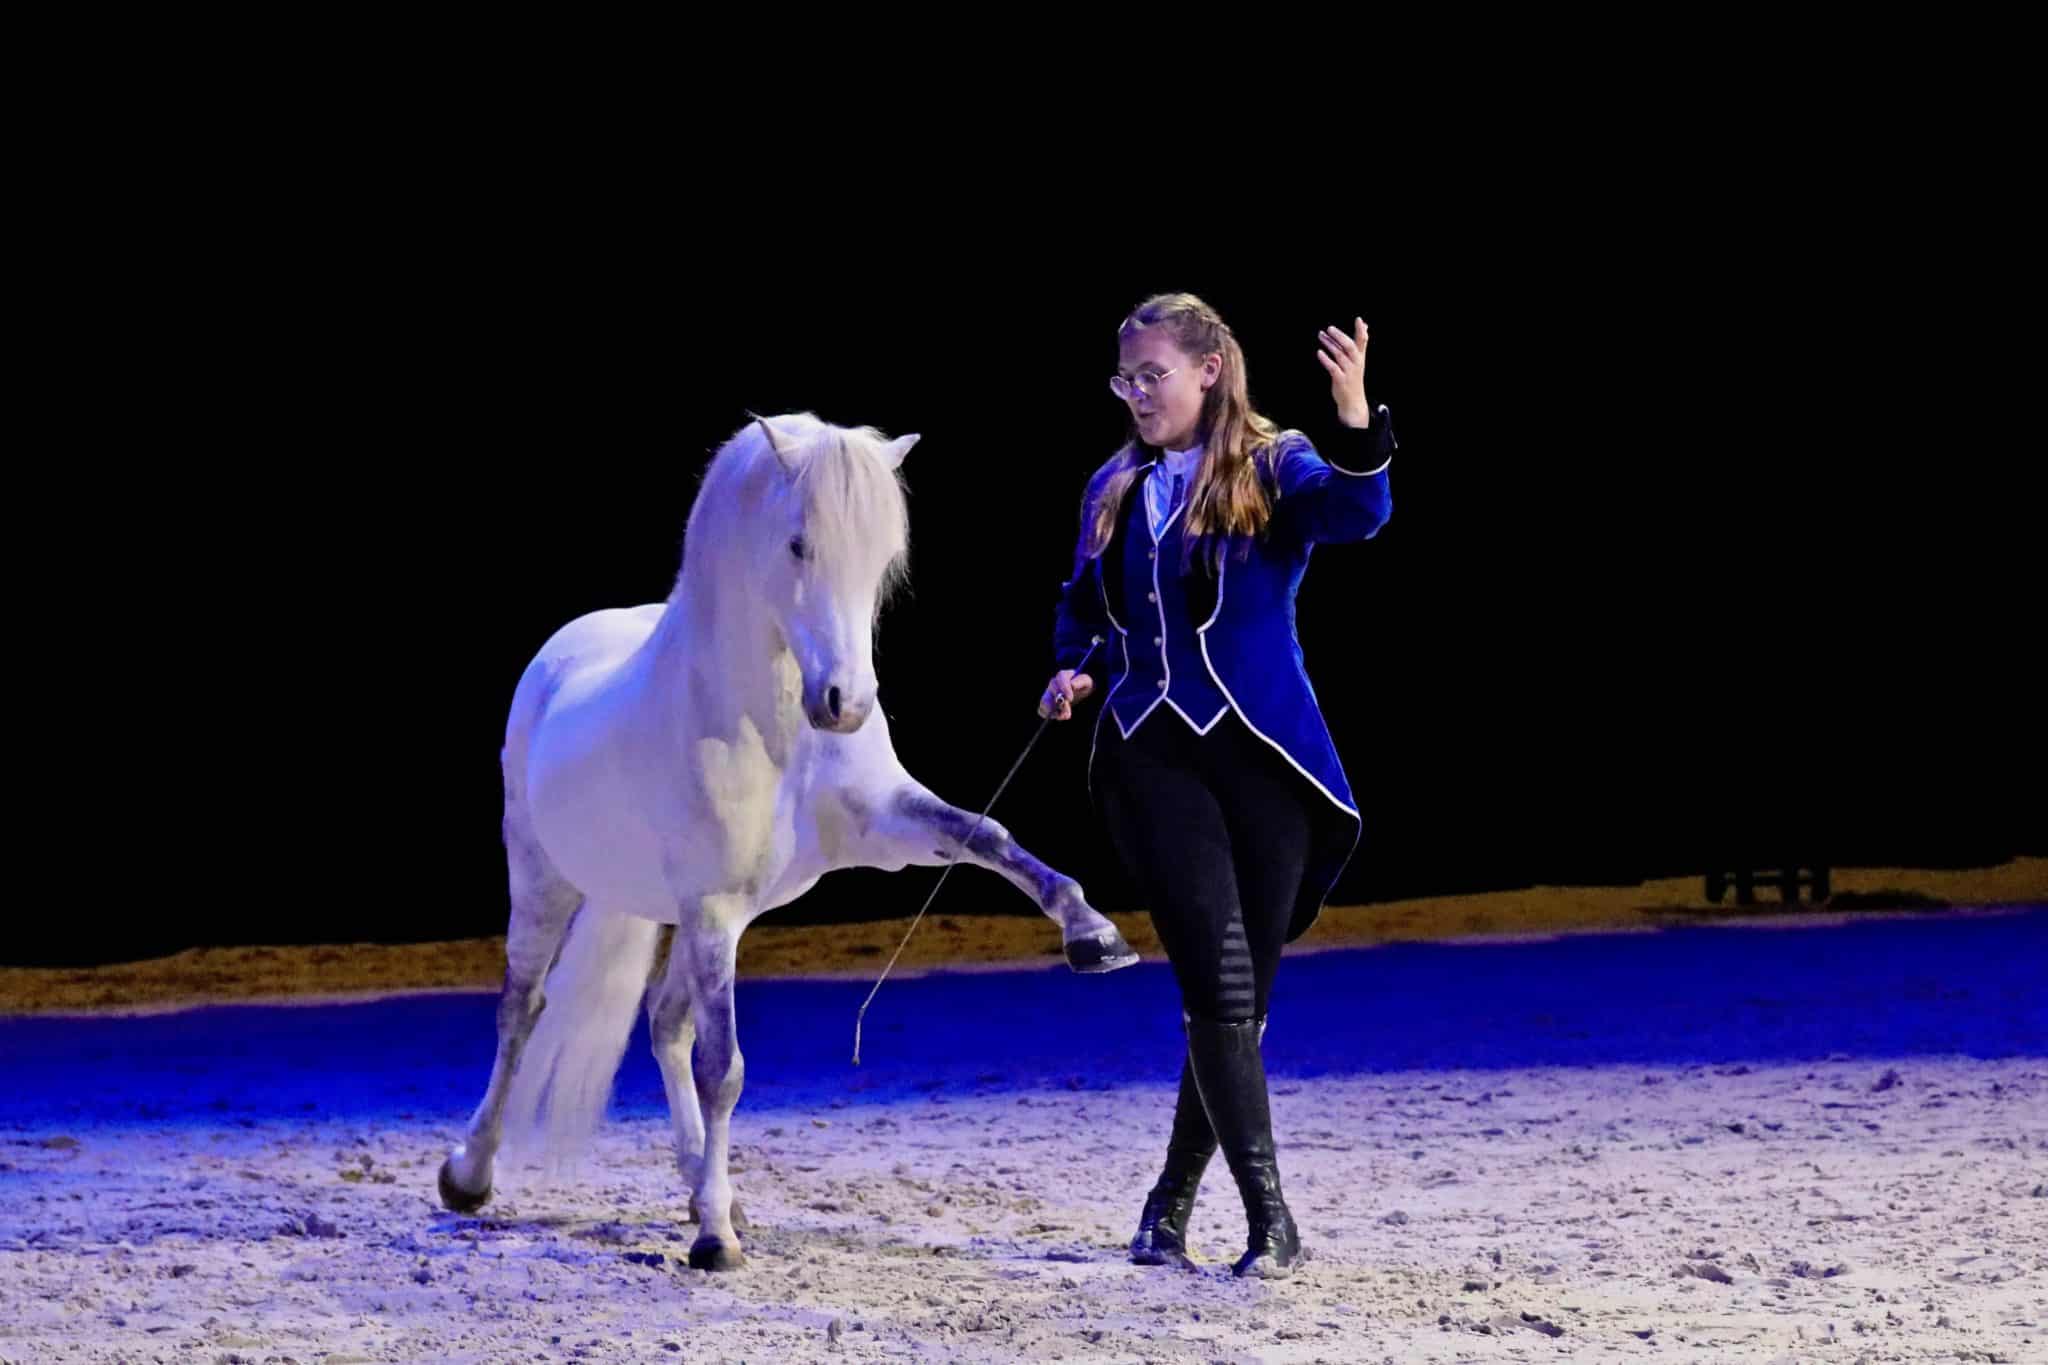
<point x="898" y="448"/>
<point x="783" y="447"/>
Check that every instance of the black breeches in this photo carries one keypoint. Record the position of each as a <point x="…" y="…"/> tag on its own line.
<point x="1214" y="830"/>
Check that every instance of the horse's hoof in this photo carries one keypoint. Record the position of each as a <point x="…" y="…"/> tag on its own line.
<point x="1104" y="951"/>
<point x="712" y="1253"/>
<point x="457" y="1199"/>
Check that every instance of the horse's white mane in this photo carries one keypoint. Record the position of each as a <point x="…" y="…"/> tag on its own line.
<point x="856" y="519"/>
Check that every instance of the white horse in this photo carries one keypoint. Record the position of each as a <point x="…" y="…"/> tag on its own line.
<point x="697" y="763"/>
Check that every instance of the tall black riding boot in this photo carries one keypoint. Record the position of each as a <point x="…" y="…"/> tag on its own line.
<point x="1163" y="1227"/>
<point x="1231" y="1075"/>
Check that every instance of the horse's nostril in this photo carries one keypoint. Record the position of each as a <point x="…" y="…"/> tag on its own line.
<point x="832" y="702"/>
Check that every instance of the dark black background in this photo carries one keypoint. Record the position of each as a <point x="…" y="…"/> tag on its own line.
<point x="1700" y="543"/>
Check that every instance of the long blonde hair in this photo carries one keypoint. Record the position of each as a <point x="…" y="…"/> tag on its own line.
<point x="1228" y="504"/>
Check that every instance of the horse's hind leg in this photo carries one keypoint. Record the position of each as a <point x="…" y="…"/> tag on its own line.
<point x="927" y="830"/>
<point x="672" y="1028"/>
<point x="542" y="904"/>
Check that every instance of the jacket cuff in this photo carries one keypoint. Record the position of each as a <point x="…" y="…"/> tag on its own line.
<point x="1373" y="447"/>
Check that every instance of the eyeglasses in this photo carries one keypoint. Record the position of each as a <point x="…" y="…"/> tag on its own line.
<point x="1146" y="382"/>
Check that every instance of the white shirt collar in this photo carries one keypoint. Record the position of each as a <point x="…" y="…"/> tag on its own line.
<point x="1159" y="500"/>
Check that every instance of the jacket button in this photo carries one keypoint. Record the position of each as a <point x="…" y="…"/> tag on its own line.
<point x="1151" y="597"/>
<point x="1159" y="639"/>
<point x="1151" y="554"/>
<point x="1162" y="684"/>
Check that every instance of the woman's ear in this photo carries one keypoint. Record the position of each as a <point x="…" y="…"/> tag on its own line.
<point x="1212" y="367"/>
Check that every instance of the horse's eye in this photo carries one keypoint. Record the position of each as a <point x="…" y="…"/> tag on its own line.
<point x="797" y="547"/>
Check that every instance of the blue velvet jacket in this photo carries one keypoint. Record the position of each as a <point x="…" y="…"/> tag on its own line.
<point x="1205" y="645"/>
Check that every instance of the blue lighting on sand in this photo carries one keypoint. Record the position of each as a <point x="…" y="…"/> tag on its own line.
<point x="1894" y="987"/>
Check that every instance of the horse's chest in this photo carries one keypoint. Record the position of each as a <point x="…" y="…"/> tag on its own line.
<point x="741" y="786"/>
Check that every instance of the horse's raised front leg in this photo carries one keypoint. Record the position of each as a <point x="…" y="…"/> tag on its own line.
<point x="707" y="945"/>
<point x="542" y="904"/>
<point x="924" y="829"/>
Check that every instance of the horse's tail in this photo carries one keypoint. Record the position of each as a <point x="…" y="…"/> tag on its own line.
<point x="564" y="1078"/>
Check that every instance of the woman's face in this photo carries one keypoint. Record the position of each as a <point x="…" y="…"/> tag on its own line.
<point x="1168" y="412"/>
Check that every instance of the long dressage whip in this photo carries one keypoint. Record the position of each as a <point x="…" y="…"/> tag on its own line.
<point x="965" y="844"/>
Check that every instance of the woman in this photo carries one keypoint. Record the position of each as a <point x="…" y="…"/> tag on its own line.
<point x="1215" y="772"/>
